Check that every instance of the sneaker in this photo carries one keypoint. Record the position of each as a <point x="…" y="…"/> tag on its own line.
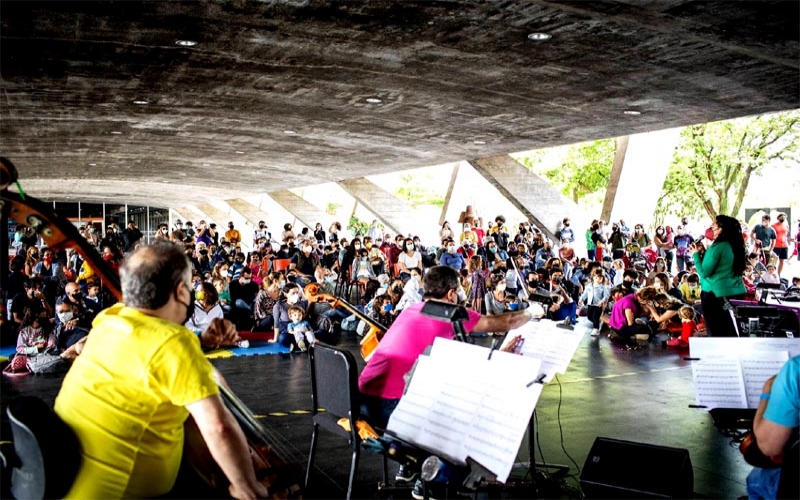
<point x="595" y="332"/>
<point x="405" y="475"/>
<point x="676" y="342"/>
<point x="642" y="336"/>
<point x="302" y="345"/>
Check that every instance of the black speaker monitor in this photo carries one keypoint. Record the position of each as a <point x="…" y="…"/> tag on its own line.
<point x="624" y="469"/>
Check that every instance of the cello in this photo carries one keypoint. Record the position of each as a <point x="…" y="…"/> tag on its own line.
<point x="281" y="479"/>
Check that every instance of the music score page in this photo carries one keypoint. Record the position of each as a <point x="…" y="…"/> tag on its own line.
<point x="460" y="404"/>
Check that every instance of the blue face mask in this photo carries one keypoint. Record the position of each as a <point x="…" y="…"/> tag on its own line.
<point x="387" y="307"/>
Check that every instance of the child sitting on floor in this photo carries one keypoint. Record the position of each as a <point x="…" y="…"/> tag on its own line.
<point x="300" y="328"/>
<point x="689" y="327"/>
<point x="32" y="338"/>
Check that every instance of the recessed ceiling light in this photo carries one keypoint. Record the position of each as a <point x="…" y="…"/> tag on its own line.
<point x="479" y="143"/>
<point x="539" y="36"/>
<point x="141" y="102"/>
<point x="102" y="152"/>
<point x="116" y="132"/>
<point x="239" y="152"/>
<point x="632" y="112"/>
<point x="290" y="132"/>
<point x="185" y="43"/>
<point x="93" y="164"/>
<point x="374" y="100"/>
<point x="206" y="164"/>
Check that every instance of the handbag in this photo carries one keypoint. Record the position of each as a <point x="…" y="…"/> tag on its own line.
<point x="47" y="363"/>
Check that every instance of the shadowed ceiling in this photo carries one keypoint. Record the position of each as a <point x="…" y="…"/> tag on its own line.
<point x="284" y="93"/>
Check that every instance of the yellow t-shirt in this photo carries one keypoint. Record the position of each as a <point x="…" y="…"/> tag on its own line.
<point x="125" y="396"/>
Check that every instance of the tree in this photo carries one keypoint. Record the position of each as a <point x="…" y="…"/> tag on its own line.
<point x="416" y="191"/>
<point x="713" y="163"/>
<point x="581" y="170"/>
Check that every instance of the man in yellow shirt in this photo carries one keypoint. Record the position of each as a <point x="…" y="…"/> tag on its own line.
<point x="139" y="377"/>
<point x="232" y="235"/>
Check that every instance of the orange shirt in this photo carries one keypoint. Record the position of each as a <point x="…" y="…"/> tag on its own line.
<point x="782" y="231"/>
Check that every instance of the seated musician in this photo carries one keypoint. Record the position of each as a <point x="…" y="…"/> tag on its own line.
<point x="137" y="380"/>
<point x="776" y="422"/>
<point x="382" y="381"/>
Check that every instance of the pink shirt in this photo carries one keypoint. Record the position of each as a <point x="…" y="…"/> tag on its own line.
<point x="409" y="336"/>
<point x="617" y="320"/>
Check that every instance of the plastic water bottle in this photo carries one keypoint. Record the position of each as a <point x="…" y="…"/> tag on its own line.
<point x="244" y="344"/>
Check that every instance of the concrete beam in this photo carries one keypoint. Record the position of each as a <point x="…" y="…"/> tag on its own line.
<point x="449" y="195"/>
<point x="215" y="214"/>
<point x="641" y="177"/>
<point x="307" y="213"/>
<point x="251" y="213"/>
<point x="532" y="195"/>
<point x="188" y="213"/>
<point x="613" y="181"/>
<point x="393" y="212"/>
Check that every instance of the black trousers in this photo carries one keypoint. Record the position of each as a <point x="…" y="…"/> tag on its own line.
<point x="719" y="321"/>
<point x="593" y="313"/>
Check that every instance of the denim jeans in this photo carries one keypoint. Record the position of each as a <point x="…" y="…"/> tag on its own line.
<point x="377" y="410"/>
<point x="763" y="483"/>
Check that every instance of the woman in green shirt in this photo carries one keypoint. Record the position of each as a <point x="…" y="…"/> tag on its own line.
<point x="720" y="268"/>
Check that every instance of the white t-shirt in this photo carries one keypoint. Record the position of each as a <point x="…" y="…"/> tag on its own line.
<point x="413" y="260"/>
<point x="201" y="319"/>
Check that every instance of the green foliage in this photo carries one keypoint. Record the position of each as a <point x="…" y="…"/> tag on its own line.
<point x="358" y="227"/>
<point x="713" y="163"/>
<point x="583" y="169"/>
<point x="415" y="191"/>
<point x="331" y="208"/>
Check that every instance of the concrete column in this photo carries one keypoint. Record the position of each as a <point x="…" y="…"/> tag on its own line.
<point x="641" y="177"/>
<point x="393" y="212"/>
<point x="307" y="213"/>
<point x="449" y="195"/>
<point x="613" y="181"/>
<point x="532" y="195"/>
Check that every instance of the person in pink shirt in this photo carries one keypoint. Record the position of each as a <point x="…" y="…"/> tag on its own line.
<point x="382" y="381"/>
<point x="781" y="247"/>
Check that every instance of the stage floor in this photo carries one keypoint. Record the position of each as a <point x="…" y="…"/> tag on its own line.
<point x="640" y="396"/>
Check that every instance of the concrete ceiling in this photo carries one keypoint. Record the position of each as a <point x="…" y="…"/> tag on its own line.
<point x="455" y="80"/>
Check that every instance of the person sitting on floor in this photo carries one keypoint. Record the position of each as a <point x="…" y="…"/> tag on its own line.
<point x="595" y="297"/>
<point x="300" y="328"/>
<point x="626" y="314"/>
<point x="206" y="308"/>
<point x="688" y="327"/>
<point x="67" y="334"/>
<point x="32" y="338"/>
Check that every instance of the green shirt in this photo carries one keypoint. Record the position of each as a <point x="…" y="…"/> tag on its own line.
<point x="715" y="269"/>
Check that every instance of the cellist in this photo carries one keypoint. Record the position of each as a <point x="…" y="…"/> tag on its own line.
<point x="141" y="374"/>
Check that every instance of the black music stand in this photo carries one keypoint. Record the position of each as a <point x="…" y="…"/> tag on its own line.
<point x="445" y="311"/>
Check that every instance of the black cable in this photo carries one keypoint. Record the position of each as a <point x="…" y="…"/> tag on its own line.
<point x="561" y="430"/>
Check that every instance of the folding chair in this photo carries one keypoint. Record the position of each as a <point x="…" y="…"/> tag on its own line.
<point x="48" y="453"/>
<point x="334" y="387"/>
<point x="280" y="265"/>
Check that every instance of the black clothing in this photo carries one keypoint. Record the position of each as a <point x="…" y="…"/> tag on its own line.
<point x="246" y="292"/>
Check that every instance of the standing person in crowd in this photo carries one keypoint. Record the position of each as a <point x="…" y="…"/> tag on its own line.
<point x="764" y="237"/>
<point x="162" y="232"/>
<point x="665" y="244"/>
<point x="232" y="235"/>
<point x="590" y="247"/>
<point x="319" y="235"/>
<point x="599" y="241"/>
<point x="262" y="231"/>
<point x="617" y="240"/>
<point x="782" y="238"/>
<point x="566" y="232"/>
<point x="130" y="236"/>
<point x="682" y="242"/>
<point x="720" y="268"/>
<point x="333" y="232"/>
<point x="595" y="297"/>
<point x="203" y="234"/>
<point x="131" y="432"/>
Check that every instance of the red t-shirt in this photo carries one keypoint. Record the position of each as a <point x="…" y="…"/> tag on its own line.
<point x="782" y="232"/>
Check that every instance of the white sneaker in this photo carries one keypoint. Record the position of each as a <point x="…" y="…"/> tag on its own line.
<point x="302" y="345"/>
<point x="595" y="332"/>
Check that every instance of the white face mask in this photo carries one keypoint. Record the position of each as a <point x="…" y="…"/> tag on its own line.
<point x="292" y="299"/>
<point x="245" y="281"/>
<point x="501" y="287"/>
<point x="410" y="248"/>
<point x="66" y="316"/>
<point x="282" y="283"/>
<point x="357" y="247"/>
<point x="307" y="249"/>
<point x="451" y="249"/>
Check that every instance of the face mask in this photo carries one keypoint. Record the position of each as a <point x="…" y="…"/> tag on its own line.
<point x="292" y="299"/>
<point x="245" y="281"/>
<point x="692" y="287"/>
<point x="451" y="249"/>
<point x="709" y="234"/>
<point x="364" y="259"/>
<point x="410" y="248"/>
<point x="48" y="259"/>
<point x="65" y="317"/>
<point x="307" y="249"/>
<point x="357" y="247"/>
<point x="638" y="230"/>
<point x="627" y="284"/>
<point x="501" y="287"/>
<point x="680" y="232"/>
<point x="492" y="249"/>
<point x="262" y="226"/>
<point x="368" y="245"/>
<point x="398" y="289"/>
<point x="387" y="307"/>
<point x="781" y="220"/>
<point x="239" y="261"/>
<point x="660" y="231"/>
<point x="599" y="231"/>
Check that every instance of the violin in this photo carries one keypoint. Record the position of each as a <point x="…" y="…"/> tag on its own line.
<point x="753" y="455"/>
<point x="266" y="450"/>
<point x="375" y="330"/>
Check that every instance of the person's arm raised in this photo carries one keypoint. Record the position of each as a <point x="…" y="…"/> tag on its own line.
<point x="228" y="446"/>
<point x="504" y="322"/>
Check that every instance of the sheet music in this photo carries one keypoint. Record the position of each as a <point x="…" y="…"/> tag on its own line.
<point x="479" y="408"/>
<point x="719" y="383"/>
<point x="730" y="372"/>
<point x="757" y="368"/>
<point x="554" y="346"/>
